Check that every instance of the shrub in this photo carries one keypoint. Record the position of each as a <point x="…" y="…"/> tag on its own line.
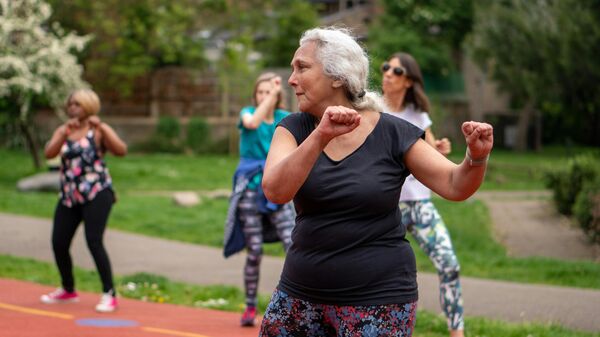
<point x="168" y="128"/>
<point x="198" y="135"/>
<point x="567" y="182"/>
<point x="587" y="209"/>
<point x="166" y="137"/>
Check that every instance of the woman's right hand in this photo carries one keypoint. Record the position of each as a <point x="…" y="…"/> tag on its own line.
<point x="276" y="85"/>
<point x="338" y="120"/>
<point x="71" y="125"/>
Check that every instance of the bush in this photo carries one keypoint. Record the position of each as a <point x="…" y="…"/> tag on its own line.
<point x="168" y="128"/>
<point x="587" y="209"/>
<point x="198" y="135"/>
<point x="166" y="137"/>
<point x="567" y="182"/>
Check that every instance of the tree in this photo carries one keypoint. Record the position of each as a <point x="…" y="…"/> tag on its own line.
<point x="132" y="38"/>
<point x="37" y="64"/>
<point x="282" y="34"/>
<point x="544" y="53"/>
<point x="432" y="31"/>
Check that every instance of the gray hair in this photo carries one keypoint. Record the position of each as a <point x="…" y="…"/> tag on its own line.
<point x="345" y="60"/>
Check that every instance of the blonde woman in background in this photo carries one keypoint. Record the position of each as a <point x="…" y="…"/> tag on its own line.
<point x="86" y="193"/>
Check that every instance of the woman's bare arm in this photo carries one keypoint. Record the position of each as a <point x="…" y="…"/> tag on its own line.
<point x="449" y="180"/>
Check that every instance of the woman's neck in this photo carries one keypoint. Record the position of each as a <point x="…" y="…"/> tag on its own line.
<point x="395" y="100"/>
<point x="337" y="100"/>
<point x="83" y="123"/>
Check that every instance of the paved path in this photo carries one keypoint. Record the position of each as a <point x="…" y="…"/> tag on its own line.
<point x="527" y="224"/>
<point x="131" y="253"/>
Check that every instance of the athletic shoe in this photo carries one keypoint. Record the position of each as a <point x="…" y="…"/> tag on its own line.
<point x="249" y="316"/>
<point x="59" y="296"/>
<point x="108" y="303"/>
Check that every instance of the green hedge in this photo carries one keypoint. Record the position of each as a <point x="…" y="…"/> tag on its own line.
<point x="168" y="137"/>
<point x="198" y="135"/>
<point x="587" y="209"/>
<point x="576" y="191"/>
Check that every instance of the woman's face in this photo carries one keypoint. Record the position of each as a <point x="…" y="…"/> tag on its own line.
<point x="391" y="81"/>
<point x="262" y="91"/>
<point x="74" y="109"/>
<point x="310" y="84"/>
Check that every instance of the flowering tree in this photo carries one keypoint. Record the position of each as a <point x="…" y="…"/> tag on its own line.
<point x="37" y="64"/>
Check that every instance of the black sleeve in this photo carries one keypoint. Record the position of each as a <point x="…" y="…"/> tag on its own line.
<point x="400" y="136"/>
<point x="300" y="125"/>
<point x="410" y="134"/>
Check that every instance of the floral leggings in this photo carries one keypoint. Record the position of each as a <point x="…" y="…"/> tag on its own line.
<point x="287" y="316"/>
<point x="424" y="222"/>
<point x="252" y="221"/>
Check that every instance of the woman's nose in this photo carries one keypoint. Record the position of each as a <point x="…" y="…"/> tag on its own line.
<point x="292" y="79"/>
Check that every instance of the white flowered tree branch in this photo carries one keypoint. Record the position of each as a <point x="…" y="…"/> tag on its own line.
<point x="37" y="62"/>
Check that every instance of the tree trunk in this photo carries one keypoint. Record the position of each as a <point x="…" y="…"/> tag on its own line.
<point x="25" y="127"/>
<point x="32" y="144"/>
<point x="523" y="126"/>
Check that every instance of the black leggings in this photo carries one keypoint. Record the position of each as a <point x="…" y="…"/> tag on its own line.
<point x="66" y="219"/>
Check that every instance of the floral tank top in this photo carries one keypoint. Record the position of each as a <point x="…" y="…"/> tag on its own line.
<point x="83" y="172"/>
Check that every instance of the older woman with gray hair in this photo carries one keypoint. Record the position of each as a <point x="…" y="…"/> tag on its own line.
<point x="350" y="270"/>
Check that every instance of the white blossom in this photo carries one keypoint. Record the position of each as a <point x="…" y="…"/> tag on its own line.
<point x="36" y="60"/>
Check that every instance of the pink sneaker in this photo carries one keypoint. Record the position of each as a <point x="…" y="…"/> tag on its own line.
<point x="108" y="303"/>
<point x="59" y="296"/>
<point x="249" y="316"/>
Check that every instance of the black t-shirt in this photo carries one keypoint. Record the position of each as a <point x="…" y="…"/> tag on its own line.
<point x="349" y="245"/>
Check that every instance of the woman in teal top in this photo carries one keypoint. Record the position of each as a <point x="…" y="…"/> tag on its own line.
<point x="251" y="218"/>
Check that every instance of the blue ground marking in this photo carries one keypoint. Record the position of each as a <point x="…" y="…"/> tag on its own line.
<point x="106" y="322"/>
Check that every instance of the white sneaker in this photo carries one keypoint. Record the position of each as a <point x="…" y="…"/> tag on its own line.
<point x="59" y="296"/>
<point x="108" y="303"/>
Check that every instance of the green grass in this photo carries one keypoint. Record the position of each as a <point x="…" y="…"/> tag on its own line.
<point x="142" y="209"/>
<point x="509" y="170"/>
<point x="159" y="289"/>
<point x="157" y="172"/>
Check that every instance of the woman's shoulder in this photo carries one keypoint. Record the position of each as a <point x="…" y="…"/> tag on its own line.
<point x="300" y="124"/>
<point x="298" y="117"/>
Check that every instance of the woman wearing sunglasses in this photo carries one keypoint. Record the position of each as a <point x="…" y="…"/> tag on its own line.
<point x="405" y="98"/>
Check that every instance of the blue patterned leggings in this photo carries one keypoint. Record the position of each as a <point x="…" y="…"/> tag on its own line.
<point x="425" y="224"/>
<point x="252" y="222"/>
<point x="287" y="316"/>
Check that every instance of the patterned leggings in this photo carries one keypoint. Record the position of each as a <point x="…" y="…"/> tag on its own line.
<point x="426" y="225"/>
<point x="252" y="220"/>
<point x="287" y="316"/>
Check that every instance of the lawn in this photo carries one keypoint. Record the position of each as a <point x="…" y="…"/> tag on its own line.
<point x="154" y="288"/>
<point x="143" y="207"/>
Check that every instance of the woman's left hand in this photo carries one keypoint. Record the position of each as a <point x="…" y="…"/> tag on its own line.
<point x="479" y="137"/>
<point x="94" y="121"/>
<point x="444" y="146"/>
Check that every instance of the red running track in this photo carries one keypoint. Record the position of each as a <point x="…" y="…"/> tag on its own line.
<point x="23" y="315"/>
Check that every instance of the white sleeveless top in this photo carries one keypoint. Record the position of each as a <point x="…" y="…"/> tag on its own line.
<point x="412" y="189"/>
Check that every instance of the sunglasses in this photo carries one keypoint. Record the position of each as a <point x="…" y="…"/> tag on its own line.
<point x="398" y="71"/>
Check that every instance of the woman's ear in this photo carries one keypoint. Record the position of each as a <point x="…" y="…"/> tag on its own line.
<point x="337" y="84"/>
<point x="409" y="83"/>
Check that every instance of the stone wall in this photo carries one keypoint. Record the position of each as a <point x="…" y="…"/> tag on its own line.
<point x="177" y="92"/>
